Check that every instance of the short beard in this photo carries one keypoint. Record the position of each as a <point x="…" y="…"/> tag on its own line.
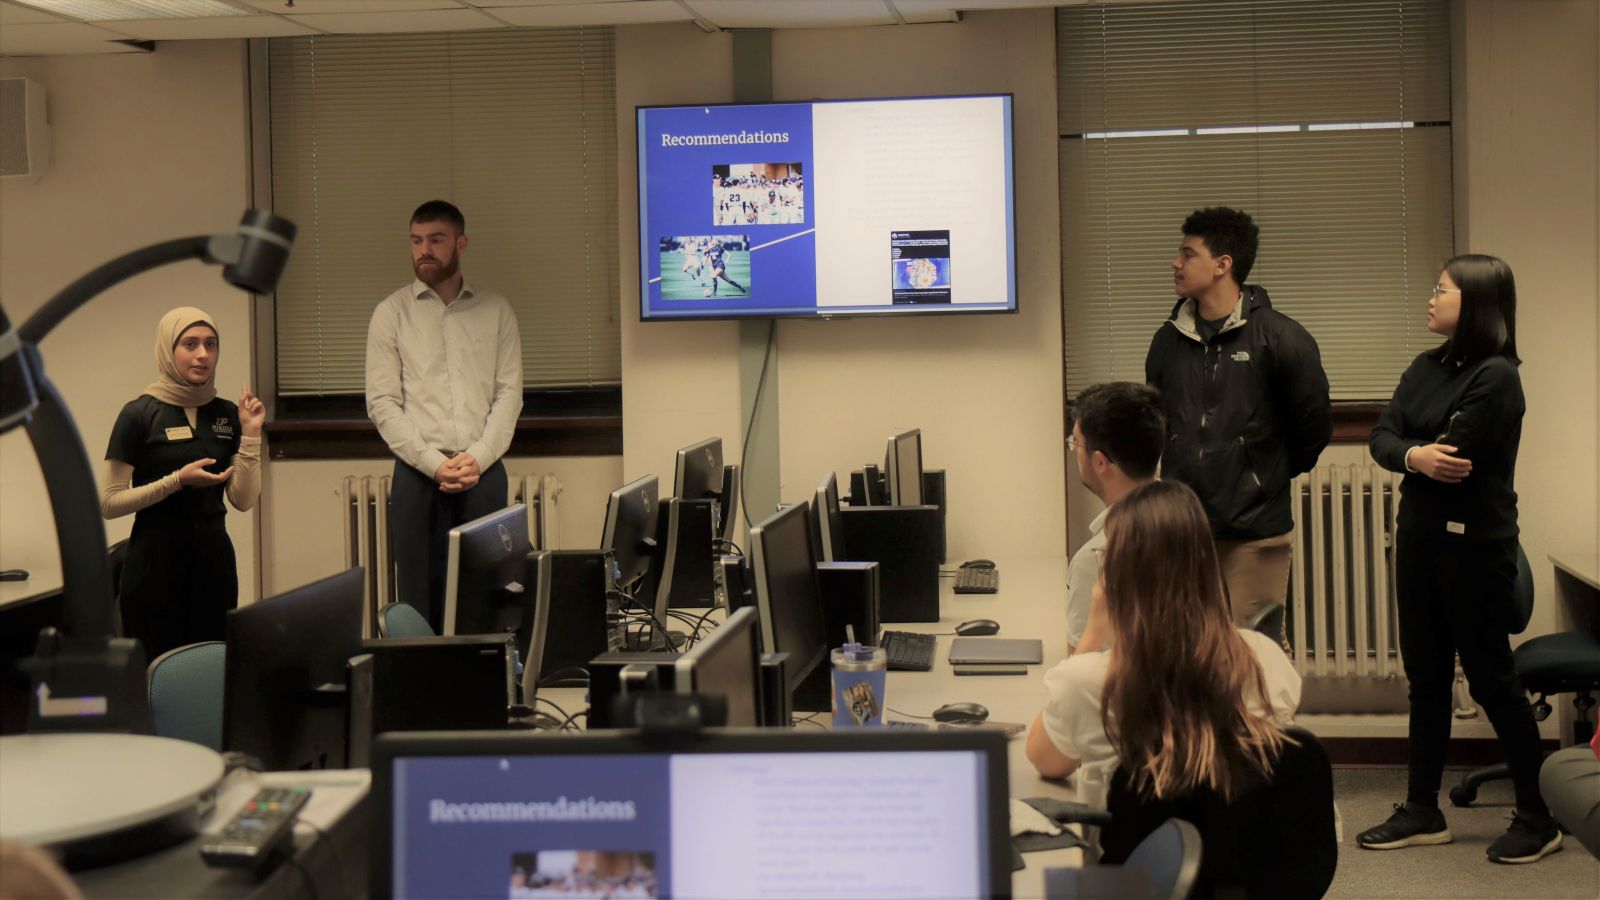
<point x="445" y="272"/>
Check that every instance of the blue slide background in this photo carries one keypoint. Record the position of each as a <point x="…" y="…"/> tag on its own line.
<point x="466" y="859"/>
<point x="677" y="200"/>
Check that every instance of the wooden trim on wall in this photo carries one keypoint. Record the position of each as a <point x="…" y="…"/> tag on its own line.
<point x="1353" y="420"/>
<point x="565" y="422"/>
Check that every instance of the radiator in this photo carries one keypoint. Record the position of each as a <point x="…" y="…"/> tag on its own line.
<point x="1342" y="618"/>
<point x="364" y="513"/>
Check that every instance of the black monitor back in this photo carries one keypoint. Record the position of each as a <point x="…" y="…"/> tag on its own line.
<point x="286" y="695"/>
<point x="458" y="683"/>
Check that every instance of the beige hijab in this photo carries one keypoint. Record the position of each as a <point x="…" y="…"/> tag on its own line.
<point x="171" y="386"/>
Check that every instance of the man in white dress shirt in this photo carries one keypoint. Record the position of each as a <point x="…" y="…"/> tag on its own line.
<point x="444" y="387"/>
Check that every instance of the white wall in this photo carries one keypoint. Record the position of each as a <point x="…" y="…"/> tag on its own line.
<point x="1526" y="128"/>
<point x="148" y="147"/>
<point x="845" y="385"/>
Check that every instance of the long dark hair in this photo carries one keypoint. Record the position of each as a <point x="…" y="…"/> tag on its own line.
<point x="1488" y="323"/>
<point x="1178" y="693"/>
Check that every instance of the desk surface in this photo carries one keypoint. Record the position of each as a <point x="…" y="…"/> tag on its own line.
<point x="43" y="577"/>
<point x="330" y="856"/>
<point x="1031" y="604"/>
<point x="1583" y="566"/>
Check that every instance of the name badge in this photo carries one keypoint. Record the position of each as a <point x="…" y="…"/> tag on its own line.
<point x="181" y="433"/>
<point x="1455" y="527"/>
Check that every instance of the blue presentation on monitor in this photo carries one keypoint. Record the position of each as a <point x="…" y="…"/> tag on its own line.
<point x="735" y="825"/>
<point x="840" y="208"/>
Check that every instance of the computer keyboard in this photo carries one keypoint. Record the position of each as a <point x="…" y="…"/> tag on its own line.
<point x="977" y="580"/>
<point x="908" y="652"/>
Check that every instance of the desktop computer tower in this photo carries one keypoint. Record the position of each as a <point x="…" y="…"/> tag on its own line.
<point x="904" y="542"/>
<point x="685" y="559"/>
<point x="569" y="614"/>
<point x="777" y="707"/>
<point x="933" y="494"/>
<point x="618" y="672"/>
<point x="850" y="596"/>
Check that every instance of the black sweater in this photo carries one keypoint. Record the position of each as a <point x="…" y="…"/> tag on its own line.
<point x="1477" y="408"/>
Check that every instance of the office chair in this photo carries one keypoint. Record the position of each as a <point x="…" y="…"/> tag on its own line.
<point x="186" y="690"/>
<point x="1275" y="839"/>
<point x="1560" y="663"/>
<point x="1268" y="620"/>
<point x="401" y="620"/>
<point x="1170" y="857"/>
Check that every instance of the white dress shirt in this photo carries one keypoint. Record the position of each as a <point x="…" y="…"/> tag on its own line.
<point x="444" y="377"/>
<point x="1083" y="573"/>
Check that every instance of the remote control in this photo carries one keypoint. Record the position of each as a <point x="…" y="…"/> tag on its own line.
<point x="256" y="830"/>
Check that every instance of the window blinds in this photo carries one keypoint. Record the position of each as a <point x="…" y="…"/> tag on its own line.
<point x="1326" y="120"/>
<point x="517" y="128"/>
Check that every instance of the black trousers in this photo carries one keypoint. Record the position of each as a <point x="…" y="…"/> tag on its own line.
<point x="178" y="582"/>
<point x="420" y="519"/>
<point x="1456" y="598"/>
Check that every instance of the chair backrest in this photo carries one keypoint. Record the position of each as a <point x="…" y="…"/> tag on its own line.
<point x="1170" y="857"/>
<point x="1522" y="594"/>
<point x="401" y="620"/>
<point x="1275" y="839"/>
<point x="186" y="691"/>
<point x="1268" y="620"/>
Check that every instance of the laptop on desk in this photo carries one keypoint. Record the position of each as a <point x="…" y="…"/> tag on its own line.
<point x="725" y="813"/>
<point x="989" y="651"/>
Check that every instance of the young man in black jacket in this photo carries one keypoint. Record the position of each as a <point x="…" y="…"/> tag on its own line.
<point x="1246" y="402"/>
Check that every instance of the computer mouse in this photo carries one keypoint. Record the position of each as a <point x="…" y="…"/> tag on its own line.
<point x="14" y="575"/>
<point x="979" y="564"/>
<point x="961" y="712"/>
<point x="978" y="628"/>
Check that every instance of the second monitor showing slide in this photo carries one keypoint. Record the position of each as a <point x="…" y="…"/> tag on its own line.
<point x="838" y="208"/>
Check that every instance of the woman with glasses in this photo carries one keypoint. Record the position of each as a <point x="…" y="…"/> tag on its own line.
<point x="1453" y="428"/>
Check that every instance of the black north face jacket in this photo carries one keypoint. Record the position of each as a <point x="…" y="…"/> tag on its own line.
<point x="1246" y="412"/>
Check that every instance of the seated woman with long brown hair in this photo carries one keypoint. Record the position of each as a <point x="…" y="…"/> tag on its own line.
<point x="1170" y="636"/>
<point x="1190" y="710"/>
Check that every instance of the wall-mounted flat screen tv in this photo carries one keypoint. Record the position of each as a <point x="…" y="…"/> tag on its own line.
<point x="838" y="208"/>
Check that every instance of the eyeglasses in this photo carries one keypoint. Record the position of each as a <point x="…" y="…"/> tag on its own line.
<point x="1072" y="444"/>
<point x="1444" y="290"/>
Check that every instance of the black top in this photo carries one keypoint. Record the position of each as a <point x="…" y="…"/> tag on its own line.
<point x="1247" y="410"/>
<point x="1477" y="408"/>
<point x="155" y="438"/>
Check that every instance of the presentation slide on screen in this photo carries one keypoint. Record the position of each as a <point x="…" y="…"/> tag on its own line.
<point x="694" y="825"/>
<point x="848" y="207"/>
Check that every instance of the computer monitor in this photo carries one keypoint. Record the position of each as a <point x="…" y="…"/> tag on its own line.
<point x="620" y="813"/>
<point x="701" y="475"/>
<point x="828" y="521"/>
<point x="485" y="567"/>
<point x="699" y="471"/>
<point x="285" y="698"/>
<point x="630" y="529"/>
<point x="904" y="462"/>
<point x="786" y="591"/>
<point x="727" y="663"/>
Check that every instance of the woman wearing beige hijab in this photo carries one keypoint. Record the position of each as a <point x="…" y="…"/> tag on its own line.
<point x="175" y="451"/>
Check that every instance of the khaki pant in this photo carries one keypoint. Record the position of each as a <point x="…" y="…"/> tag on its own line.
<point x="1256" y="573"/>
